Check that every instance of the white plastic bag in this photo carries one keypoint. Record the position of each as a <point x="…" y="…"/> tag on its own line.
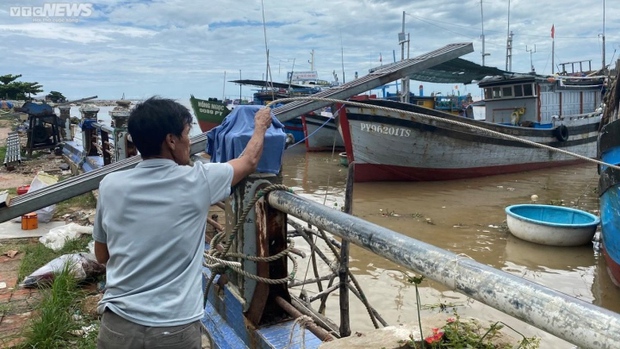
<point x="57" y="237"/>
<point x="42" y="180"/>
<point x="81" y="266"/>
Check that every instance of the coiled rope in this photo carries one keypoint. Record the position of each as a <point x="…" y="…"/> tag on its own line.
<point x="218" y="261"/>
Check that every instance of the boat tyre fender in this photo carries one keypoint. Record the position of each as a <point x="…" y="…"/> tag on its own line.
<point x="561" y="133"/>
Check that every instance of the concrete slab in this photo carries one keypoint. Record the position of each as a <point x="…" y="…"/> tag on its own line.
<point x="13" y="230"/>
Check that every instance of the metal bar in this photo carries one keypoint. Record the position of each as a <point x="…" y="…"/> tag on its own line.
<point x="312" y="327"/>
<point x="319" y="319"/>
<point x="75" y="101"/>
<point x="574" y="320"/>
<point x="103" y="127"/>
<point x="76" y="185"/>
<point x="378" y="78"/>
<point x="323" y="295"/>
<point x="304" y="282"/>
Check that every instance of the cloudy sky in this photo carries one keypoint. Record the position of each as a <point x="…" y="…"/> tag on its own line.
<point x="175" y="48"/>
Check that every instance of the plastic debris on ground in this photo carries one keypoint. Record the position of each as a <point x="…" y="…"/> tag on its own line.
<point x="58" y="236"/>
<point x="81" y="266"/>
<point x="40" y="181"/>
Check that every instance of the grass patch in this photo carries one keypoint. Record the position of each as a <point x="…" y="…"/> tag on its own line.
<point x="54" y="318"/>
<point x="15" y="244"/>
<point x="81" y="202"/>
<point x="2" y="152"/>
<point x="54" y="323"/>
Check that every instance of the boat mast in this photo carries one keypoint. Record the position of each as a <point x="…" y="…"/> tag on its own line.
<point x="509" y="44"/>
<point x="224" y="87"/>
<point x="342" y="57"/>
<point x="268" y="77"/>
<point x="552" y="48"/>
<point x="531" y="62"/>
<point x="484" y="54"/>
<point x="604" y="65"/>
<point x="402" y="39"/>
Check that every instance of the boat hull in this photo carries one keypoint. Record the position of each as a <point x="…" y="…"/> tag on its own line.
<point x="392" y="146"/>
<point x="209" y="113"/>
<point x="295" y="128"/>
<point x="609" y="197"/>
<point x="321" y="133"/>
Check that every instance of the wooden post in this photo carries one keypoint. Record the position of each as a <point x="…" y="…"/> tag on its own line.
<point x="345" y="324"/>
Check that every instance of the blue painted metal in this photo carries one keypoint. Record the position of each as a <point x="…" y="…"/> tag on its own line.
<point x="88" y="124"/>
<point x="609" y="197"/>
<point x="228" y="329"/>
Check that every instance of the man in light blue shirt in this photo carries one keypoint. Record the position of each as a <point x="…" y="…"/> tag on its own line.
<point x="150" y="225"/>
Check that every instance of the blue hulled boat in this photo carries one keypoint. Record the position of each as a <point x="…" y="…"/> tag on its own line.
<point x="609" y="183"/>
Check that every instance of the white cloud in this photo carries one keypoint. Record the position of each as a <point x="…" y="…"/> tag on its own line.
<point x="174" y="48"/>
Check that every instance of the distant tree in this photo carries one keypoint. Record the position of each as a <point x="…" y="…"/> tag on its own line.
<point x="11" y="89"/>
<point x="9" y="78"/>
<point x="55" y="97"/>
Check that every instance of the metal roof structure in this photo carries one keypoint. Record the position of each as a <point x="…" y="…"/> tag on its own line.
<point x="454" y="71"/>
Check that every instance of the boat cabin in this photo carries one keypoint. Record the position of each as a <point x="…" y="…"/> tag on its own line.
<point x="536" y="101"/>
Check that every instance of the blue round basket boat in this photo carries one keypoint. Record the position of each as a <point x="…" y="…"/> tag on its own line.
<point x="551" y="225"/>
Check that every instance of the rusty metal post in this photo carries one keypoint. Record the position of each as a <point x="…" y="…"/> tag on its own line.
<point x="89" y="131"/>
<point x="65" y="117"/>
<point x="120" y="114"/>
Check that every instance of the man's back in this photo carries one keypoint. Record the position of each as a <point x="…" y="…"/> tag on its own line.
<point x="153" y="219"/>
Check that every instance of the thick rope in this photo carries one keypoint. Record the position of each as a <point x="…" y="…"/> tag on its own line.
<point x="215" y="260"/>
<point x="302" y="322"/>
<point x="454" y="122"/>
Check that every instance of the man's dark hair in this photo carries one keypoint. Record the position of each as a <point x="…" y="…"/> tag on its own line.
<point x="152" y="120"/>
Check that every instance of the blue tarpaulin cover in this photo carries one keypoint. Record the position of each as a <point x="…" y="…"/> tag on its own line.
<point x="6" y="105"/>
<point x="226" y="141"/>
<point x="36" y="109"/>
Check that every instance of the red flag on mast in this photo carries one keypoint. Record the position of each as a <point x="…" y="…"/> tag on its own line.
<point x="553" y="31"/>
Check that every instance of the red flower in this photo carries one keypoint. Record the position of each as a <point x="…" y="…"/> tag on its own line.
<point x="436" y="337"/>
<point x="450" y="320"/>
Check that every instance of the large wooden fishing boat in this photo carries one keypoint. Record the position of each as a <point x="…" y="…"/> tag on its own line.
<point x="562" y="112"/>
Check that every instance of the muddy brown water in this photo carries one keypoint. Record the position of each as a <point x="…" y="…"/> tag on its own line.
<point x="466" y="217"/>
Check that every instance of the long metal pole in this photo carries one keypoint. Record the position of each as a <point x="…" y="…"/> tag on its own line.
<point x="574" y="320"/>
<point x="553" y="50"/>
<point x="482" y="35"/>
<point x="508" y="43"/>
<point x="224" y="87"/>
<point x="604" y="65"/>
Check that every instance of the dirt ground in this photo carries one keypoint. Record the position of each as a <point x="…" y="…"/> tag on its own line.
<point x="26" y="171"/>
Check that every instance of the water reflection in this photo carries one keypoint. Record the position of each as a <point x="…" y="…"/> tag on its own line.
<point x="466" y="217"/>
